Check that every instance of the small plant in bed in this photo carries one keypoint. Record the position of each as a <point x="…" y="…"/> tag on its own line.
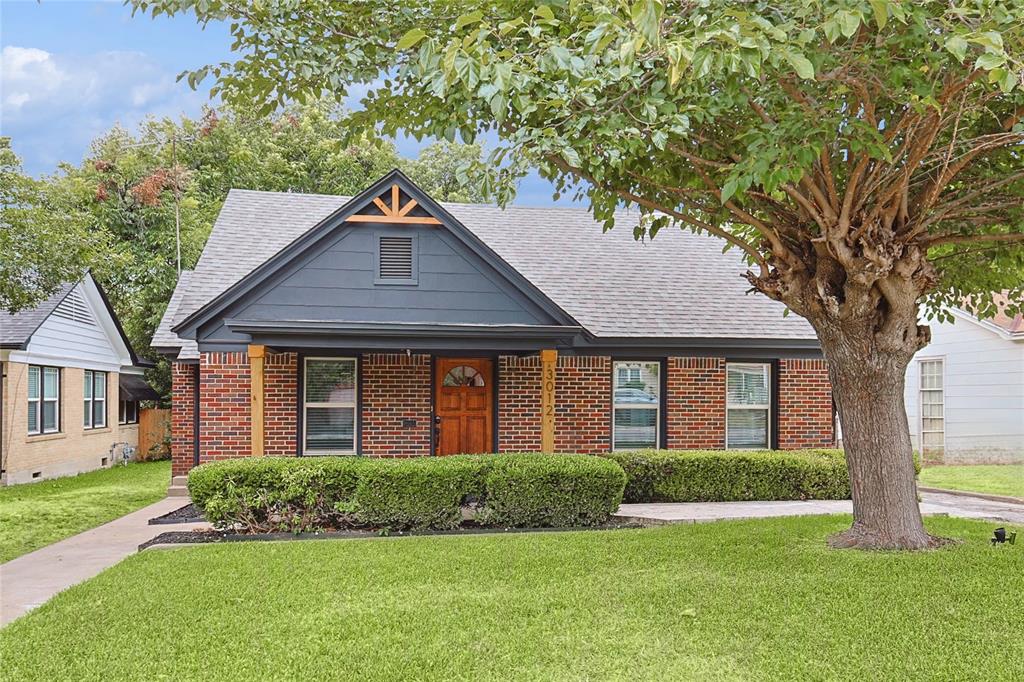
<point x="298" y="495"/>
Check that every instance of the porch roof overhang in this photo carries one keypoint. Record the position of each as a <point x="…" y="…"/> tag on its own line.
<point x="411" y="335"/>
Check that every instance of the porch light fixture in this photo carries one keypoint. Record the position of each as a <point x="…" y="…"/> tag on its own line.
<point x="999" y="536"/>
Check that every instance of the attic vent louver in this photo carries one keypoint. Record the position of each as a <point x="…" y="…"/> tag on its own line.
<point x="75" y="309"/>
<point x="396" y="259"/>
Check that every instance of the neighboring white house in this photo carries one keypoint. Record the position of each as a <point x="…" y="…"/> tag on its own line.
<point x="71" y="386"/>
<point x="965" y="391"/>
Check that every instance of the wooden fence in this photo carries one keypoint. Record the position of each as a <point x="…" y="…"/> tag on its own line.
<point x="154" y="433"/>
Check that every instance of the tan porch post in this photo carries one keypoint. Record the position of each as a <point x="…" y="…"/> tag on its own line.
<point x="256" y="358"/>
<point x="548" y="362"/>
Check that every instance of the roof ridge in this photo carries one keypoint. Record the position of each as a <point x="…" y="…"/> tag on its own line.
<point x="345" y="197"/>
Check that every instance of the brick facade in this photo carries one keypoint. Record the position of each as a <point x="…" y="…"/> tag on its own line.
<point x="695" y="403"/>
<point x="224" y="409"/>
<point x="395" y="388"/>
<point x="519" y="403"/>
<point x="583" y="410"/>
<point x="182" y="415"/>
<point x="395" y="405"/>
<point x="280" y="403"/>
<point x="805" y="405"/>
<point x="582" y="404"/>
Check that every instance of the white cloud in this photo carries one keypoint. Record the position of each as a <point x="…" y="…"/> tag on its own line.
<point x="54" y="104"/>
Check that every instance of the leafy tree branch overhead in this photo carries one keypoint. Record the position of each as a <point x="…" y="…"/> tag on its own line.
<point x="865" y="155"/>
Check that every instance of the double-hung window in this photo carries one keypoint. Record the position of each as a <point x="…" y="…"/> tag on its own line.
<point x="636" y="405"/>
<point x="94" y="398"/>
<point x="128" y="412"/>
<point x="43" y="399"/>
<point x="329" y="406"/>
<point x="748" y="405"/>
<point x="933" y="423"/>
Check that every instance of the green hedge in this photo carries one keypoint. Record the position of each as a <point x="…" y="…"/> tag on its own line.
<point x="417" y="493"/>
<point x="552" y="491"/>
<point x="304" y="494"/>
<point x="733" y="475"/>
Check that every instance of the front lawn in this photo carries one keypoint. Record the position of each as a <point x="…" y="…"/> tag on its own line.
<point x="33" y="515"/>
<point x="732" y="600"/>
<point x="996" y="479"/>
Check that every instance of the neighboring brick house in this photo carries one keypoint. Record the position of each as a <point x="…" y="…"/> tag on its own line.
<point x="70" y="389"/>
<point x="391" y="325"/>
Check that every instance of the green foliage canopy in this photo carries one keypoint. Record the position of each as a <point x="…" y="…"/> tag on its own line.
<point x="876" y="139"/>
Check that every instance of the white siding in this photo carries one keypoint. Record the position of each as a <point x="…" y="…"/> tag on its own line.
<point x="80" y="332"/>
<point x="983" y="392"/>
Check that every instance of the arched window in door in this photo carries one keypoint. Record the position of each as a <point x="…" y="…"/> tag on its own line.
<point x="463" y="376"/>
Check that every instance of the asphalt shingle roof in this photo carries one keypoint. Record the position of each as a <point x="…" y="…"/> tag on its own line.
<point x="164" y="337"/>
<point x="17" y="328"/>
<point x="679" y="285"/>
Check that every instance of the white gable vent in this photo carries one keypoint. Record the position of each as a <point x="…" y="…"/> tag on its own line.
<point x="74" y="308"/>
<point x="396" y="260"/>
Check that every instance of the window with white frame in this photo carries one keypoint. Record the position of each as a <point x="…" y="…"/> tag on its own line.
<point x="933" y="423"/>
<point x="43" y="399"/>
<point x="94" y="398"/>
<point x="128" y="412"/>
<point x="748" y="405"/>
<point x="329" y="406"/>
<point x="636" y="405"/>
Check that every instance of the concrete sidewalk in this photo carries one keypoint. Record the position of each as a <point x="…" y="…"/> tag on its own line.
<point x="34" y="578"/>
<point x="696" y="512"/>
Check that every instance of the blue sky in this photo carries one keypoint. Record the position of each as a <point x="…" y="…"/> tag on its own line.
<point x="72" y="69"/>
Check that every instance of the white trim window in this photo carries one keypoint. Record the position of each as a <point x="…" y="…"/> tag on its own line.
<point x="329" y="406"/>
<point x="933" y="421"/>
<point x="43" y="399"/>
<point x="94" y="399"/>
<point x="748" y="406"/>
<point x="636" y="405"/>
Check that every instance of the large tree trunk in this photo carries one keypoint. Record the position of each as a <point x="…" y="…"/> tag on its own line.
<point x="867" y="383"/>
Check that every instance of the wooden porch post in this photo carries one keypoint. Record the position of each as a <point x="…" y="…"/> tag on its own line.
<point x="256" y="358"/>
<point x="548" y="362"/>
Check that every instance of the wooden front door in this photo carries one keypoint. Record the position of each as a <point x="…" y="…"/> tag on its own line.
<point x="464" y="406"/>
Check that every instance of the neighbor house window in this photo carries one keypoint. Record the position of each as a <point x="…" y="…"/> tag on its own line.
<point x="748" y="405"/>
<point x="43" y="399"/>
<point x="330" y="406"/>
<point x="94" y="394"/>
<point x="933" y="422"/>
<point x="636" y="405"/>
<point x="128" y="412"/>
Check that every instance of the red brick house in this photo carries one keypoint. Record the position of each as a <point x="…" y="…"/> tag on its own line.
<point x="389" y="324"/>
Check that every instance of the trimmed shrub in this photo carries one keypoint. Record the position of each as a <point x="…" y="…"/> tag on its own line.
<point x="558" y="491"/>
<point x="733" y="475"/>
<point x="267" y="494"/>
<point x="417" y="493"/>
<point x="272" y="494"/>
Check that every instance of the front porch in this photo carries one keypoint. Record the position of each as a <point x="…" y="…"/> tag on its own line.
<point x="285" y="401"/>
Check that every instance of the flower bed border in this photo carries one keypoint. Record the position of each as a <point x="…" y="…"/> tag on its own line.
<point x="356" y="534"/>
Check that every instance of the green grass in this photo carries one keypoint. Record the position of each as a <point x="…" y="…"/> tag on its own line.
<point x="33" y="515"/>
<point x="749" y="600"/>
<point x="996" y="479"/>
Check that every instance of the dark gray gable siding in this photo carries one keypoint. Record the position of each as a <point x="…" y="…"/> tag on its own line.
<point x="337" y="281"/>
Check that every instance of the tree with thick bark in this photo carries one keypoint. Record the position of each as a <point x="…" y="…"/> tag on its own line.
<point x="864" y="155"/>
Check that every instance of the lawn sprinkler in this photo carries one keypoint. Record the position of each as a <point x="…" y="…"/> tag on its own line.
<point x="1000" y="536"/>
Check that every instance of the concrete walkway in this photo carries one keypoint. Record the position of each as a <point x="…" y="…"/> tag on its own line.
<point x="34" y="578"/>
<point x="697" y="512"/>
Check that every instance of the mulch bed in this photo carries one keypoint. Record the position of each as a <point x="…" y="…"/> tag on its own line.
<point x="208" y="536"/>
<point x="186" y="514"/>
